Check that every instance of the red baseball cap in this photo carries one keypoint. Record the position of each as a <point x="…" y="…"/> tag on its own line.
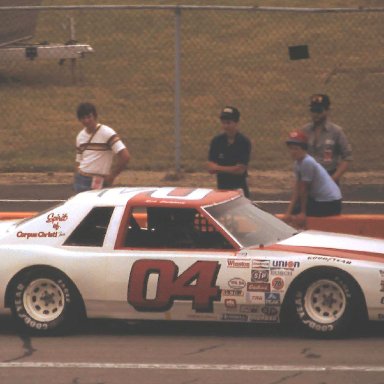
<point x="297" y="137"/>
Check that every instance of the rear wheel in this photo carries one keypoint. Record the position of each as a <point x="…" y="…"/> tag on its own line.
<point x="44" y="301"/>
<point x="326" y="304"/>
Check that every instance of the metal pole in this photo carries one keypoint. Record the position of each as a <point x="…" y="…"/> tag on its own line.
<point x="177" y="90"/>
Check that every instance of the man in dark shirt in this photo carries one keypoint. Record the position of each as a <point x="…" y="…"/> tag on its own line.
<point x="229" y="153"/>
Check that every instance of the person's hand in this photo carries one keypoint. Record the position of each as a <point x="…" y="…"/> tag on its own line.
<point x="300" y="220"/>
<point x="212" y="168"/>
<point x="108" y="181"/>
<point x="287" y="218"/>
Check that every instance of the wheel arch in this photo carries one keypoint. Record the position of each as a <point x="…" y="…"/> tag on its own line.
<point x="318" y="271"/>
<point x="14" y="279"/>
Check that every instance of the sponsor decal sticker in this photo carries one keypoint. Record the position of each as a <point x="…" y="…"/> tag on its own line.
<point x="232" y="292"/>
<point x="262" y="318"/>
<point x="249" y="309"/>
<point x="260" y="275"/>
<point x="28" y="235"/>
<point x="282" y="264"/>
<point x="270" y="311"/>
<point x="277" y="283"/>
<point x="329" y="259"/>
<point x="230" y="303"/>
<point x="280" y="272"/>
<point x="260" y="264"/>
<point x="238" y="263"/>
<point x="234" y="317"/>
<point x="272" y="298"/>
<point x="55" y="219"/>
<point x="237" y="283"/>
<point x="258" y="287"/>
<point x="255" y="298"/>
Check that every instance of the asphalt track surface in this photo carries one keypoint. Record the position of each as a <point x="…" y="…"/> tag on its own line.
<point x="116" y="351"/>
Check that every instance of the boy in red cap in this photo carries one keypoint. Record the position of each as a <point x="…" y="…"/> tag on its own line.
<point x="315" y="193"/>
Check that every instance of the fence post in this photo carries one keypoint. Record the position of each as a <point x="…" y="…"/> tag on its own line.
<point x="177" y="89"/>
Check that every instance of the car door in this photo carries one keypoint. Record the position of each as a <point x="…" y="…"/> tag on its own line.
<point x="168" y="264"/>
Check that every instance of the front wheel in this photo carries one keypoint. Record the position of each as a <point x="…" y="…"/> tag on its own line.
<point x="44" y="301"/>
<point x="326" y="304"/>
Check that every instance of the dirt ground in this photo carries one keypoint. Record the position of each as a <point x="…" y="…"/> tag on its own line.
<point x="264" y="182"/>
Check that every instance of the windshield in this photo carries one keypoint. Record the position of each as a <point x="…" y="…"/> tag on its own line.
<point x="249" y="225"/>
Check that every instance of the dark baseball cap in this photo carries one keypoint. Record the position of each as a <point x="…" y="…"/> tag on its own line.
<point x="298" y="138"/>
<point x="319" y="102"/>
<point x="230" y="113"/>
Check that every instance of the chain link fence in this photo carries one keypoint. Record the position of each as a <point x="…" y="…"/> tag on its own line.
<point x="160" y="75"/>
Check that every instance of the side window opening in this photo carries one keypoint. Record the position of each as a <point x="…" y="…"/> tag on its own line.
<point x="91" y="231"/>
<point x="182" y="228"/>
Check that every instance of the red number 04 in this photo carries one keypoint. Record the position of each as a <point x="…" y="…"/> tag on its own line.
<point x="172" y="287"/>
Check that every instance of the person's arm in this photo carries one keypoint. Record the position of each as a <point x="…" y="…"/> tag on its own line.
<point x="346" y="156"/>
<point x="341" y="169"/>
<point x="303" y="188"/>
<point x="292" y="203"/>
<point x="237" y="169"/>
<point x="79" y="155"/>
<point x="122" y="159"/>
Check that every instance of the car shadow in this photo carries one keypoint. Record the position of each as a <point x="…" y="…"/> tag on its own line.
<point x="191" y="328"/>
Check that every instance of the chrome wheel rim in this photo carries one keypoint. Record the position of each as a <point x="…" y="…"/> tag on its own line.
<point x="325" y="301"/>
<point x="43" y="300"/>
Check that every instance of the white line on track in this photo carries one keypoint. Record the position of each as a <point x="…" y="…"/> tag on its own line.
<point x="196" y="367"/>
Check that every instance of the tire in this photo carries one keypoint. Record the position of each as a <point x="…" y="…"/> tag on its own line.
<point x="43" y="301"/>
<point x="326" y="304"/>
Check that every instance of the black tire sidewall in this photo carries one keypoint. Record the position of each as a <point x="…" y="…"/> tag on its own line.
<point x="25" y="320"/>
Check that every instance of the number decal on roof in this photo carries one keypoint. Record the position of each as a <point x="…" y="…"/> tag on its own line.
<point x="197" y="283"/>
<point x="194" y="194"/>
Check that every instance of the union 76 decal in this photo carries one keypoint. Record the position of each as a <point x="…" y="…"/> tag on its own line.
<point x="196" y="284"/>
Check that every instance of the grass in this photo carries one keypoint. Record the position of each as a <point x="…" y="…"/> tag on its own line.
<point x="227" y="58"/>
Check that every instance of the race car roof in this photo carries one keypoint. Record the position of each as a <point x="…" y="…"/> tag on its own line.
<point x="191" y="197"/>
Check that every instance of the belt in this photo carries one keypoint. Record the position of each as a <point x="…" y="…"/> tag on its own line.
<point x="82" y="173"/>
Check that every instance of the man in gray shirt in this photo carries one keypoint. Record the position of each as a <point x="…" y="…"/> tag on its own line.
<point x="315" y="193"/>
<point x="327" y="142"/>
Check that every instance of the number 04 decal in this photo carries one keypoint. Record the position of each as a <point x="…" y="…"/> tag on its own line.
<point x="197" y="283"/>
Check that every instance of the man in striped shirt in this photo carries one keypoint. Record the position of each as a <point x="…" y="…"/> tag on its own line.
<point x="97" y="146"/>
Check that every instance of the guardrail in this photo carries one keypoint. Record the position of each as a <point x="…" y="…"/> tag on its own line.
<point x="353" y="224"/>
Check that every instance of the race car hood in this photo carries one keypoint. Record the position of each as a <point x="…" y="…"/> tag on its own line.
<point x="6" y="226"/>
<point x="333" y="245"/>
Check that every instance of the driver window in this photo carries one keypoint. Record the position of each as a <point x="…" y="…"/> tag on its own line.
<point x="91" y="231"/>
<point x="182" y="228"/>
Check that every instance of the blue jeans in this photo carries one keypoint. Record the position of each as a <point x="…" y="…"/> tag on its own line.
<point x="82" y="183"/>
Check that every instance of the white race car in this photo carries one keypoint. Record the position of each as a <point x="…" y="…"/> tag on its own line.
<point x="183" y="254"/>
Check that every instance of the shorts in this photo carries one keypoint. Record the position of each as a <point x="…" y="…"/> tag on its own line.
<point x="320" y="208"/>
